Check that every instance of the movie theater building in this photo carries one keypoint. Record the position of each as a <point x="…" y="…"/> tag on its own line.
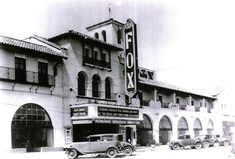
<point x="93" y="83"/>
<point x="31" y="93"/>
<point x="169" y="111"/>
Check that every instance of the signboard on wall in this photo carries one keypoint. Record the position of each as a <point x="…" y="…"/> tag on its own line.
<point x="146" y="74"/>
<point x="118" y="112"/>
<point x="81" y="111"/>
<point x="131" y="62"/>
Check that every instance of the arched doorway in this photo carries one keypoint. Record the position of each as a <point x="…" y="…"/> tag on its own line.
<point x="182" y="126"/>
<point x="165" y="130"/>
<point x="145" y="132"/>
<point x="197" y="127"/>
<point x="31" y="127"/>
<point x="210" y="127"/>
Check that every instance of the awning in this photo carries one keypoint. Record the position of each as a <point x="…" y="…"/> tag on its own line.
<point x="182" y="124"/>
<point x="197" y="125"/>
<point x="165" y="124"/>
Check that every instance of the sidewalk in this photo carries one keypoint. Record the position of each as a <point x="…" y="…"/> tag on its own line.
<point x="54" y="154"/>
<point x="34" y="155"/>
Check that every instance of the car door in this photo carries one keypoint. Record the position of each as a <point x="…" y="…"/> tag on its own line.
<point x="187" y="140"/>
<point x="96" y="145"/>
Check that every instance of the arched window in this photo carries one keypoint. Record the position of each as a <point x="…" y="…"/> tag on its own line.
<point x="81" y="84"/>
<point x="104" y="35"/>
<point x="107" y="88"/>
<point x="95" y="85"/>
<point x="119" y="36"/>
<point x="97" y="35"/>
<point x="31" y="127"/>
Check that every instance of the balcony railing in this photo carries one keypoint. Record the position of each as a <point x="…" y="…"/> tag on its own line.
<point x="27" y="77"/>
<point x="165" y="105"/>
<point x="145" y="103"/>
<point x="197" y="109"/>
<point x="182" y="107"/>
<point x="96" y="62"/>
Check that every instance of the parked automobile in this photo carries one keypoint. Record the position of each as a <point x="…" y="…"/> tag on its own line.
<point x="111" y="144"/>
<point x="185" y="141"/>
<point x="225" y="141"/>
<point x="209" y="140"/>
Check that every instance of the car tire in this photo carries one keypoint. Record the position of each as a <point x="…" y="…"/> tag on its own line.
<point x="205" y="144"/>
<point x="226" y="143"/>
<point x="176" y="146"/>
<point x="216" y="144"/>
<point x="111" y="152"/>
<point x="198" y="145"/>
<point x="127" y="151"/>
<point x="72" y="153"/>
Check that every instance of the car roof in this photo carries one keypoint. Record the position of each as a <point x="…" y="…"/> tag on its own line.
<point x="103" y="135"/>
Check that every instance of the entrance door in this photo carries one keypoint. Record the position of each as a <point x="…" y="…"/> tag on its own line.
<point x="129" y="134"/>
<point x="31" y="128"/>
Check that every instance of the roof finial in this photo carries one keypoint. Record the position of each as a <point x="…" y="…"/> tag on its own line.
<point x="109" y="10"/>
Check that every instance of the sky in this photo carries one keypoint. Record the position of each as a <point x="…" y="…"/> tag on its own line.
<point x="189" y="43"/>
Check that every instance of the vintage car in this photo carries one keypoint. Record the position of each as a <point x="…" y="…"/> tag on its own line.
<point x="225" y="141"/>
<point x="209" y="140"/>
<point x="185" y="141"/>
<point x="111" y="144"/>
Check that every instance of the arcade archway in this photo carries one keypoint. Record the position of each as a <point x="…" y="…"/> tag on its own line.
<point x="210" y="127"/>
<point x="31" y="127"/>
<point x="165" y="130"/>
<point x="145" y="132"/>
<point x="182" y="126"/>
<point x="197" y="127"/>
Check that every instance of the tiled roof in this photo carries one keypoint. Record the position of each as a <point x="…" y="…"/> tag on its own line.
<point x="105" y="22"/>
<point x="86" y="38"/>
<point x="174" y="88"/>
<point x="30" y="46"/>
<point x="44" y="40"/>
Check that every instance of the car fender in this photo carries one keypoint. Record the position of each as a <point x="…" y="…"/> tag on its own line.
<point x="181" y="145"/>
<point x="113" y="147"/>
<point x="79" y="152"/>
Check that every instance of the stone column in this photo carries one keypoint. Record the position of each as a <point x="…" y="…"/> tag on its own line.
<point x="155" y="94"/>
<point x="175" y="129"/>
<point x="189" y="100"/>
<point x="156" y="130"/>
<point x="173" y="98"/>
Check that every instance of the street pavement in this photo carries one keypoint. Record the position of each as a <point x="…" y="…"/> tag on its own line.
<point x="141" y="153"/>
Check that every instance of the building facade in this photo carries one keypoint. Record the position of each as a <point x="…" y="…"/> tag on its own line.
<point x="31" y="93"/>
<point x="60" y="90"/>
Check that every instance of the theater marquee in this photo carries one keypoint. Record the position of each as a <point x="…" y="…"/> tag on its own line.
<point x="130" y="57"/>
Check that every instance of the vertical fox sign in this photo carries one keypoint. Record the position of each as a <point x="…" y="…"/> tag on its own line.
<point x="130" y="57"/>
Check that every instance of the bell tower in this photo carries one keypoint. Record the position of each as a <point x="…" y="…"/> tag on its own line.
<point x="109" y="31"/>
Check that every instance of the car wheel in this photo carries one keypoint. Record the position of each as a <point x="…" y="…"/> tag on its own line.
<point x="72" y="153"/>
<point x="198" y="145"/>
<point x="226" y="143"/>
<point x="216" y="144"/>
<point x="127" y="151"/>
<point x="176" y="146"/>
<point x="111" y="152"/>
<point x="205" y="144"/>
